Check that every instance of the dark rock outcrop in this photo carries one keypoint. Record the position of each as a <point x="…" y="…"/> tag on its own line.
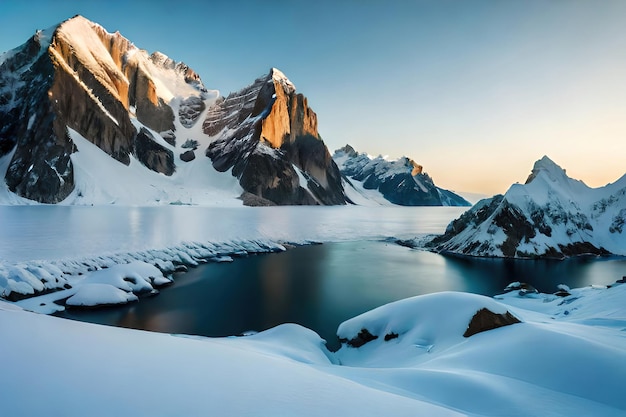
<point x="190" y="110"/>
<point x="485" y="320"/>
<point x="40" y="168"/>
<point x="152" y="155"/>
<point x="188" y="156"/>
<point x="363" y="337"/>
<point x="267" y="135"/>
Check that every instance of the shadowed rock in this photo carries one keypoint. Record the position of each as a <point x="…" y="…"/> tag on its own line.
<point x="188" y="156"/>
<point x="486" y="319"/>
<point x="153" y="155"/>
<point x="362" y="338"/>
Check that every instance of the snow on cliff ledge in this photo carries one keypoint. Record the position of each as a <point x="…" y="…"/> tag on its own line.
<point x="551" y="215"/>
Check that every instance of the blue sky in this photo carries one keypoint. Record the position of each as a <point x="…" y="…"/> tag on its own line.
<point x="475" y="91"/>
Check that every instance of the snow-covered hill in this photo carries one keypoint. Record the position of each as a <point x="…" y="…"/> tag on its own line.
<point x="400" y="181"/>
<point x="551" y="215"/>
<point x="422" y="362"/>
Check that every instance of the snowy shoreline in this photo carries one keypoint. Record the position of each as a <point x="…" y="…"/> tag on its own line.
<point x="40" y="286"/>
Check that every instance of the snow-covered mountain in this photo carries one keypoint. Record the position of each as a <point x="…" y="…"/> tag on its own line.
<point x="551" y="215"/>
<point x="86" y="117"/>
<point x="400" y="181"/>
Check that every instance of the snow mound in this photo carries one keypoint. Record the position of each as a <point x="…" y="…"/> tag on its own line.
<point x="137" y="277"/>
<point x="407" y="330"/>
<point x="91" y="295"/>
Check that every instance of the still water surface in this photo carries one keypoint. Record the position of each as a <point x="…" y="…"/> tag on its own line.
<point x="320" y="286"/>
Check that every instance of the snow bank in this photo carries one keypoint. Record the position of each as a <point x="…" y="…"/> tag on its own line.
<point x="135" y="272"/>
<point x="91" y="295"/>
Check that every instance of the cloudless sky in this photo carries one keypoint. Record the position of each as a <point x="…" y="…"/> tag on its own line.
<point x="475" y="91"/>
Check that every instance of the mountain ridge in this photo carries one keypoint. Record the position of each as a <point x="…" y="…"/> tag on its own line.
<point x="401" y="181"/>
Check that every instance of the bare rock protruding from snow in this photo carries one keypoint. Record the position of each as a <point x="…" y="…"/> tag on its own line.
<point x="190" y="110"/>
<point x="551" y="216"/>
<point x="153" y="155"/>
<point x="78" y="76"/>
<point x="268" y="135"/>
<point x="400" y="181"/>
<point x="188" y="156"/>
<point x="485" y="320"/>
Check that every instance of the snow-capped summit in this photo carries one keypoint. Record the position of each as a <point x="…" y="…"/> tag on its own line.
<point x="278" y="76"/>
<point x="552" y="215"/>
<point x="400" y="181"/>
<point x="550" y="168"/>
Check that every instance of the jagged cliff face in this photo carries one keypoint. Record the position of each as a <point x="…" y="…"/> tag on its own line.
<point x="79" y="76"/>
<point x="401" y="181"/>
<point x="551" y="216"/>
<point x="268" y="135"/>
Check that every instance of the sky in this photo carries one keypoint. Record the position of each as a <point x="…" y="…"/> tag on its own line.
<point x="475" y="91"/>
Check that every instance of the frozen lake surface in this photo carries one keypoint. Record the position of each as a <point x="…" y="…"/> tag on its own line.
<point x="59" y="232"/>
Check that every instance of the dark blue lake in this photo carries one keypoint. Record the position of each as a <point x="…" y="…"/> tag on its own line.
<point x="319" y="286"/>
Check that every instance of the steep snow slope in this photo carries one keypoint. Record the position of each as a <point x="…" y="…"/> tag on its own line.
<point x="551" y="215"/>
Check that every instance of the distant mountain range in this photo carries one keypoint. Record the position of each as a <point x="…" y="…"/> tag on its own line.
<point x="86" y="117"/>
<point x="400" y="181"/>
<point x="551" y="215"/>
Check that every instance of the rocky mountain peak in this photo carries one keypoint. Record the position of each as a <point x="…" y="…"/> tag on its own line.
<point x="549" y="167"/>
<point x="347" y="150"/>
<point x="551" y="215"/>
<point x="276" y="130"/>
<point x="417" y="168"/>
<point x="78" y="76"/>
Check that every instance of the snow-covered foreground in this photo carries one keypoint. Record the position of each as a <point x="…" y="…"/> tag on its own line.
<point x="550" y="364"/>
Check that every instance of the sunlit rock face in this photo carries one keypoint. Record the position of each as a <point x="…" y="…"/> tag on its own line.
<point x="267" y="134"/>
<point x="78" y="76"/>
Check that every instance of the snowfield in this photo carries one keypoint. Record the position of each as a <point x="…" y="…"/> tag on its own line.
<point x="550" y="364"/>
